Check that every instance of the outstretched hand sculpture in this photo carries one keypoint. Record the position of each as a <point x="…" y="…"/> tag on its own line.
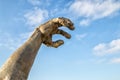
<point x="18" y="65"/>
<point x="51" y="27"/>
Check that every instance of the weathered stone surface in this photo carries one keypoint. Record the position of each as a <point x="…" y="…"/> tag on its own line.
<point x="18" y="66"/>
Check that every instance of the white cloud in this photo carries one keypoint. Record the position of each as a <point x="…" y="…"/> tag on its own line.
<point x="81" y="36"/>
<point x="98" y="61"/>
<point x="40" y="2"/>
<point x="91" y="10"/>
<point x="107" y="48"/>
<point x="36" y="16"/>
<point x="9" y="42"/>
<point x="115" y="60"/>
<point x="101" y="61"/>
<point x="85" y="22"/>
<point x="25" y="35"/>
<point x="34" y="2"/>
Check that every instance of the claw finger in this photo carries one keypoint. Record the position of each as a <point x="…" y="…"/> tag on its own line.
<point x="57" y="43"/>
<point x="54" y="44"/>
<point x="71" y="27"/>
<point x="63" y="33"/>
<point x="67" y="23"/>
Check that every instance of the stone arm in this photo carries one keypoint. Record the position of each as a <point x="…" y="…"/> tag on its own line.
<point x="18" y="65"/>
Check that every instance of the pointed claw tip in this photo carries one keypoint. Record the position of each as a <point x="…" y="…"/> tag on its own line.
<point x="68" y="37"/>
<point x="72" y="28"/>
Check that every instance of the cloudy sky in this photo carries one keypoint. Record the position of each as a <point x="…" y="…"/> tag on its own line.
<point x="93" y="52"/>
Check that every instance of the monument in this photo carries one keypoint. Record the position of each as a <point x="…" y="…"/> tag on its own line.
<point x="18" y="65"/>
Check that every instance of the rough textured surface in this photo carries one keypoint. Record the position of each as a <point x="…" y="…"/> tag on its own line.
<point x="18" y="66"/>
<point x="51" y="27"/>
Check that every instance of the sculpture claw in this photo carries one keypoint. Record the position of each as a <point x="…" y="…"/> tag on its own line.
<point x="63" y="33"/>
<point x="51" y="27"/>
<point x="54" y="44"/>
<point x="57" y="43"/>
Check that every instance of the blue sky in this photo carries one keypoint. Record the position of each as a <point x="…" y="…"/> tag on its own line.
<point x="93" y="52"/>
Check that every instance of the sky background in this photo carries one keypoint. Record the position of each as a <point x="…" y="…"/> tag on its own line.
<point x="93" y="52"/>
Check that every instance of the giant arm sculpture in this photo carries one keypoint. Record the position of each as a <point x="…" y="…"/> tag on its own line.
<point x="18" y="65"/>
